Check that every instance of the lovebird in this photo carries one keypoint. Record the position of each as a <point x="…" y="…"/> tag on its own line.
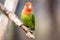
<point x="27" y="16"/>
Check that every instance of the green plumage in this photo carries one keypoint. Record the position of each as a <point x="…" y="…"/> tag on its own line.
<point x="28" y="20"/>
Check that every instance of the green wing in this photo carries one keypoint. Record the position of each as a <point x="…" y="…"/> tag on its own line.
<point x="28" y="21"/>
<point x="33" y="19"/>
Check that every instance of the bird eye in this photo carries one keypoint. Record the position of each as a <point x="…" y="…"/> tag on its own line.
<point x="26" y="4"/>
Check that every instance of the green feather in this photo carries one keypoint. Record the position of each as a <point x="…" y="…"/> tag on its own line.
<point x="28" y="20"/>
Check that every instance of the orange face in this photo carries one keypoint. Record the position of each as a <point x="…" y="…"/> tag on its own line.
<point x="28" y="7"/>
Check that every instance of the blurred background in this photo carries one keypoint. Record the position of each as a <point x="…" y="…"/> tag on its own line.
<point x="47" y="18"/>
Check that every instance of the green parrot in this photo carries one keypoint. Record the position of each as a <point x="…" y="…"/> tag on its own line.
<point x="27" y="16"/>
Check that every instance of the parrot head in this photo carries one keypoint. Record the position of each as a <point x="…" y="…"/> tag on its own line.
<point x="28" y="8"/>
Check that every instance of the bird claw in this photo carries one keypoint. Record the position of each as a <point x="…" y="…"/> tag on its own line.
<point x="29" y="29"/>
<point x="30" y="35"/>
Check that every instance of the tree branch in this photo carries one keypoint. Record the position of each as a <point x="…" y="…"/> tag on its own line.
<point x="16" y="20"/>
